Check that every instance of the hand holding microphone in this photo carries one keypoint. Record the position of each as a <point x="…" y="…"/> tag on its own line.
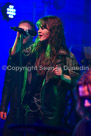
<point x="24" y="36"/>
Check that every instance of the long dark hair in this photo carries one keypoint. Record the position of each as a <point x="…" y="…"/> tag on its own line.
<point x="56" y="40"/>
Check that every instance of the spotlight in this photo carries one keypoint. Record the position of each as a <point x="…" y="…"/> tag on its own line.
<point x="8" y="11"/>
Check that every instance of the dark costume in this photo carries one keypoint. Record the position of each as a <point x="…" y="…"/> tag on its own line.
<point x="42" y="97"/>
<point x="83" y="128"/>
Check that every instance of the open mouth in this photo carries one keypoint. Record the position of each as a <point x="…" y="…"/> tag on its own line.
<point x="40" y="36"/>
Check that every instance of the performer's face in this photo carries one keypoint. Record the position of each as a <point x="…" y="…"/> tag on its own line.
<point x="26" y="27"/>
<point x="85" y="93"/>
<point x="43" y="33"/>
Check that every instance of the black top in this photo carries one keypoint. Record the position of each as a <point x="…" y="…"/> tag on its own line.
<point x="83" y="128"/>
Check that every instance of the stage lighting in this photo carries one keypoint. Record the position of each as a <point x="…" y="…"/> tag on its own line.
<point x="8" y="11"/>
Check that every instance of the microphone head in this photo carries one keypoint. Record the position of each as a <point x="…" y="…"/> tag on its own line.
<point x="17" y="29"/>
<point x="20" y="30"/>
<point x="28" y="32"/>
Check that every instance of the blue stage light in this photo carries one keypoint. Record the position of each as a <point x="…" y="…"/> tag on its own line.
<point x="8" y="11"/>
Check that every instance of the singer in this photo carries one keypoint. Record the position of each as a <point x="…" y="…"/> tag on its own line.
<point x="44" y="91"/>
<point x="11" y="83"/>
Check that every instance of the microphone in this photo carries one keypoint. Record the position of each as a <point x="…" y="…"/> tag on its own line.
<point x="22" y="31"/>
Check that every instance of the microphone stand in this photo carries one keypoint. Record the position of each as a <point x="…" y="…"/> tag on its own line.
<point x="18" y="116"/>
